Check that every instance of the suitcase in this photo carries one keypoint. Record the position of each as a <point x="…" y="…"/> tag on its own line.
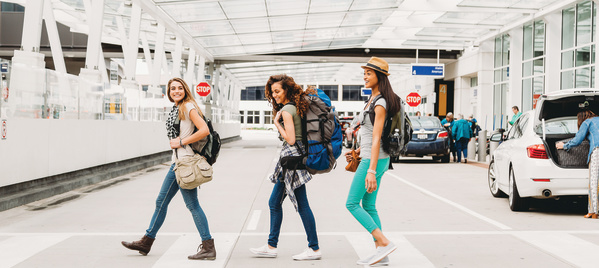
<point x="575" y="157"/>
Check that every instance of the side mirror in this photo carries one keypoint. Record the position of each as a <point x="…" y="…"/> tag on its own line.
<point x="497" y="137"/>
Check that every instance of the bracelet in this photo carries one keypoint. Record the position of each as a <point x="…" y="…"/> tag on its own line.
<point x="181" y="142"/>
<point x="372" y="171"/>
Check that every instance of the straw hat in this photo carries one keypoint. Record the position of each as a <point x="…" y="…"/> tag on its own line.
<point x="378" y="64"/>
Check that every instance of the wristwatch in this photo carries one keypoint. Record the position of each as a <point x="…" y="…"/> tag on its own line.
<point x="372" y="171"/>
<point x="181" y="142"/>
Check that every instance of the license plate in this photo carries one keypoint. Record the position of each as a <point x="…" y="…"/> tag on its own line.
<point x="422" y="136"/>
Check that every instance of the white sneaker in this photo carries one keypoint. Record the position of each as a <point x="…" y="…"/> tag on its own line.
<point x="382" y="252"/>
<point x="308" y="254"/>
<point x="383" y="262"/>
<point x="264" y="251"/>
<point x="365" y="261"/>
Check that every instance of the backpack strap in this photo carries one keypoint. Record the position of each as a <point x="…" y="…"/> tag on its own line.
<point x="371" y="108"/>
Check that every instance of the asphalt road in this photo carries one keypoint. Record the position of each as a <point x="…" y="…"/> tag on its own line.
<point x="440" y="215"/>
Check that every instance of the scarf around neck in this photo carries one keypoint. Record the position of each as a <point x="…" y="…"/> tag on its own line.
<point x="172" y="131"/>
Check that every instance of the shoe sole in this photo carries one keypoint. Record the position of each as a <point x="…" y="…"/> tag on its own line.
<point x="203" y="259"/>
<point x="308" y="259"/>
<point x="263" y="255"/>
<point x="385" y="255"/>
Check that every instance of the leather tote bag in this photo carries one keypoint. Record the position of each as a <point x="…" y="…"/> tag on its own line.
<point x="353" y="164"/>
<point x="192" y="171"/>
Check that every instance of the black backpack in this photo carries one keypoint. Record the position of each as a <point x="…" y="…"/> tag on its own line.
<point x="397" y="130"/>
<point x="208" y="147"/>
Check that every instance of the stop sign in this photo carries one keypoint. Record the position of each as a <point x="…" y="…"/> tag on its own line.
<point x="203" y="89"/>
<point x="413" y="99"/>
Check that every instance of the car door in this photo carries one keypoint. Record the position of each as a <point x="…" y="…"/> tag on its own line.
<point x="504" y="154"/>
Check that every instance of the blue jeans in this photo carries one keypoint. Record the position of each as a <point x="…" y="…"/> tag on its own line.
<point x="276" y="214"/>
<point x="166" y="194"/>
<point x="462" y="146"/>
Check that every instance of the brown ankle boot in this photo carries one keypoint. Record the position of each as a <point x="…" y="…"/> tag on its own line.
<point x="207" y="252"/>
<point x="143" y="246"/>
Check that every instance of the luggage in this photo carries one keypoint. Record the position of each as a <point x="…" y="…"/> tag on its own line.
<point x="575" y="157"/>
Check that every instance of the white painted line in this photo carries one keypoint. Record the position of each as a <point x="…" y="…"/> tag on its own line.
<point x="176" y="255"/>
<point x="576" y="251"/>
<point x="253" y="224"/>
<point x="449" y="202"/>
<point x="19" y="248"/>
<point x="406" y="255"/>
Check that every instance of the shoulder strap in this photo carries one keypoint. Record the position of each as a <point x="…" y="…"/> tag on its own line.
<point x="371" y="108"/>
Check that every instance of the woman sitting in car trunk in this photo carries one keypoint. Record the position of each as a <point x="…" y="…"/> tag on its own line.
<point x="588" y="127"/>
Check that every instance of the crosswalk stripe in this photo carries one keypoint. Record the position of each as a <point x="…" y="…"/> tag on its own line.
<point x="406" y="254"/>
<point x="577" y="251"/>
<point x="176" y="255"/>
<point x="253" y="224"/>
<point x="27" y="245"/>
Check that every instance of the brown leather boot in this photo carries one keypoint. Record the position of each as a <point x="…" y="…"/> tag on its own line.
<point x="207" y="252"/>
<point x="143" y="246"/>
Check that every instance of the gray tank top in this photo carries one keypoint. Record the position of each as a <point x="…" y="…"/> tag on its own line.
<point x="365" y="131"/>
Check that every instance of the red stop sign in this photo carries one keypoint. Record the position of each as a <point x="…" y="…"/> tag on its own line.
<point x="413" y="99"/>
<point x="203" y="89"/>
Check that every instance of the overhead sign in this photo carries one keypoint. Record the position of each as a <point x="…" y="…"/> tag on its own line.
<point x="203" y="89"/>
<point x="3" y="130"/>
<point x="413" y="99"/>
<point x="436" y="70"/>
<point x="4" y="67"/>
<point x="365" y="92"/>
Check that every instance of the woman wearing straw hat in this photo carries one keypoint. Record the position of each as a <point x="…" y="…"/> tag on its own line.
<point x="375" y="161"/>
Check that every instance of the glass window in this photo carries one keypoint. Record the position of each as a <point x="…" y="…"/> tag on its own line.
<point x="583" y="23"/>
<point x="10" y="7"/>
<point x="583" y="56"/>
<point x="253" y="93"/>
<point x="567" y="79"/>
<point x="583" y="77"/>
<point x="474" y="82"/>
<point x="241" y="117"/>
<point x="526" y="68"/>
<point x="527" y="50"/>
<point x="568" y="29"/>
<point x="527" y="94"/>
<point x="539" y="39"/>
<point x="539" y="67"/>
<point x="352" y="93"/>
<point x="331" y="91"/>
<point x="498" y="52"/>
<point x="506" y="50"/>
<point x="568" y="59"/>
<point x="268" y="117"/>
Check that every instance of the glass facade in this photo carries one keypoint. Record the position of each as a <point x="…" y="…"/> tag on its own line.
<point x="331" y="90"/>
<point x="501" y="79"/>
<point x="352" y="93"/>
<point x="533" y="64"/>
<point x="578" y="46"/>
<point x="253" y="93"/>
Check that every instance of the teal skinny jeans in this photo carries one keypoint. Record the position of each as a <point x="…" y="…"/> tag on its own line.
<point x="366" y="214"/>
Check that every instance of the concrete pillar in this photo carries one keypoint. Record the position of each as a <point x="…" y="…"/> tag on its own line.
<point x="514" y="91"/>
<point x="32" y="25"/>
<point x="485" y="85"/>
<point x="553" y="46"/>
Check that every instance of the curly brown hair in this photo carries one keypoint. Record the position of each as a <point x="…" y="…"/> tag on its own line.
<point x="293" y="92"/>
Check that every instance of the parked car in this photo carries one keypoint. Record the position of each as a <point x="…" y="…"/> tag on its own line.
<point x="430" y="138"/>
<point x="526" y="164"/>
<point x="345" y="122"/>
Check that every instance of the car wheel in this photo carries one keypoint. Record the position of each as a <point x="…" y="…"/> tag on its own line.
<point x="517" y="203"/>
<point x="493" y="184"/>
<point x="445" y="159"/>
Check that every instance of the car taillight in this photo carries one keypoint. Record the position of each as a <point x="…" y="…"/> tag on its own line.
<point x="537" y="151"/>
<point x="442" y="134"/>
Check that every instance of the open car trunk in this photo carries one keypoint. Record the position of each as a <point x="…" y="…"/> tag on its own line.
<point x="576" y="157"/>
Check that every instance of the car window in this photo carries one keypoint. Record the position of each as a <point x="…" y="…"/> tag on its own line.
<point x="520" y="126"/>
<point x="564" y="125"/>
<point x="425" y="122"/>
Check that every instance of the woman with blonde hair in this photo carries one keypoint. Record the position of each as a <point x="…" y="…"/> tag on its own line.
<point x="190" y="116"/>
<point x="588" y="128"/>
<point x="290" y="105"/>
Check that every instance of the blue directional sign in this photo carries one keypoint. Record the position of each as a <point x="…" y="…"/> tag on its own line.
<point x="4" y="67"/>
<point x="437" y="70"/>
<point x="365" y="92"/>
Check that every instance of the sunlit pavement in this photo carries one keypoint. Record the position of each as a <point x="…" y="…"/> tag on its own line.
<point x="439" y="215"/>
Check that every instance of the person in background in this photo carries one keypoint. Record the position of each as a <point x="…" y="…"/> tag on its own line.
<point x="190" y="116"/>
<point x="473" y="125"/>
<point x="448" y="124"/>
<point x="361" y="199"/>
<point x="516" y="115"/>
<point x="418" y="113"/>
<point x="588" y="128"/>
<point x="289" y="105"/>
<point x="462" y="132"/>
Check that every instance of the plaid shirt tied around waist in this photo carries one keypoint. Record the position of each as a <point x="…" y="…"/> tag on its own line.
<point x="293" y="178"/>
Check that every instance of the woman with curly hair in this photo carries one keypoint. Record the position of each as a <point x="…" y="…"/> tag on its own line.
<point x="289" y="104"/>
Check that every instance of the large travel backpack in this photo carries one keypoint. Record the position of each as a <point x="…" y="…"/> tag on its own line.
<point x="397" y="130"/>
<point x="208" y="147"/>
<point x="321" y="134"/>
